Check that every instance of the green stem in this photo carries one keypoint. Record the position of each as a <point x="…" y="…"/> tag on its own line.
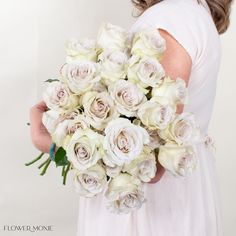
<point x="46" y="166"/>
<point x="36" y="159"/>
<point x="42" y="164"/>
<point x="65" y="174"/>
<point x="63" y="171"/>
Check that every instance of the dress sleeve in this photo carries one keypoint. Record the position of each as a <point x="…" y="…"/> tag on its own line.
<point x="176" y="21"/>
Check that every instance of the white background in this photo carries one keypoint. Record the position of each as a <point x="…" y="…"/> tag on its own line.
<point x="32" y="35"/>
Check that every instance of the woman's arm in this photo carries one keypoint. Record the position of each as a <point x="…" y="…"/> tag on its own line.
<point x="177" y="63"/>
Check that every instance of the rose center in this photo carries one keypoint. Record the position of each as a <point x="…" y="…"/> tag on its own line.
<point x="81" y="153"/>
<point x="182" y="130"/>
<point x="130" y="200"/>
<point x="80" y="73"/>
<point x="123" y="142"/>
<point x="76" y="126"/>
<point x="185" y="161"/>
<point x="99" y="108"/>
<point x="149" y="69"/>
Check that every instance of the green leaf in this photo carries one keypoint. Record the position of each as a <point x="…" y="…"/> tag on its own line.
<point x="61" y="158"/>
<point x="51" y="80"/>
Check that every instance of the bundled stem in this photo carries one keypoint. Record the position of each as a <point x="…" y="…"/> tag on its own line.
<point x="35" y="160"/>
<point x="47" y="163"/>
<point x="65" y="173"/>
<point x="43" y="164"/>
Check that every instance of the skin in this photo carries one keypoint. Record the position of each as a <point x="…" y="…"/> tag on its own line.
<point x="176" y="62"/>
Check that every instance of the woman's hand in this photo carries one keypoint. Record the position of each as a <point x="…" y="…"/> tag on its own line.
<point x="39" y="134"/>
<point x="160" y="171"/>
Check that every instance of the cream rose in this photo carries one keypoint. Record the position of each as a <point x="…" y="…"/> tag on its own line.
<point x="57" y="96"/>
<point x="148" y="42"/>
<point x="99" y="109"/>
<point x="127" y="97"/>
<point x="112" y="37"/>
<point x="50" y="120"/>
<point x="68" y="127"/>
<point x="113" y="66"/>
<point x="143" y="167"/>
<point x="154" y="137"/>
<point x="84" y="149"/>
<point x="179" y="160"/>
<point x="125" y="194"/>
<point x="80" y="75"/>
<point x="156" y="113"/>
<point x="69" y="115"/>
<point x="182" y="130"/>
<point x="123" y="142"/>
<point x="90" y="182"/>
<point x="174" y="90"/>
<point x="155" y="140"/>
<point x="145" y="71"/>
<point x="81" y="49"/>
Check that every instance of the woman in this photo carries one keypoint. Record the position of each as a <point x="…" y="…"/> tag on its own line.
<point x="175" y="206"/>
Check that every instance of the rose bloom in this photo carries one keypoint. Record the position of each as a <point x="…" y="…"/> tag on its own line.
<point x="182" y="130"/>
<point x="68" y="127"/>
<point x="179" y="160"/>
<point x="143" y="167"/>
<point x="113" y="66"/>
<point x="99" y="109"/>
<point x="80" y="75"/>
<point x="148" y="42"/>
<point x="156" y="113"/>
<point x="90" y="182"/>
<point x="112" y="37"/>
<point x="50" y="120"/>
<point x="123" y="142"/>
<point x="145" y="72"/>
<point x="124" y="194"/>
<point x="57" y="96"/>
<point x="127" y="97"/>
<point x="174" y="90"/>
<point x="155" y="140"/>
<point x="81" y="49"/>
<point x="84" y="148"/>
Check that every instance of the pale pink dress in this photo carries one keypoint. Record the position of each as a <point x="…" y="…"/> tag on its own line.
<point x="175" y="206"/>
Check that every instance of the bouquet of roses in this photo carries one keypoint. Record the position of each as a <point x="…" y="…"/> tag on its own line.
<point x="112" y="113"/>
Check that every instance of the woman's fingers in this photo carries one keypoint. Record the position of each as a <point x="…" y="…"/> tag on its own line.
<point x="39" y="107"/>
<point x="39" y="134"/>
<point x="36" y="114"/>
